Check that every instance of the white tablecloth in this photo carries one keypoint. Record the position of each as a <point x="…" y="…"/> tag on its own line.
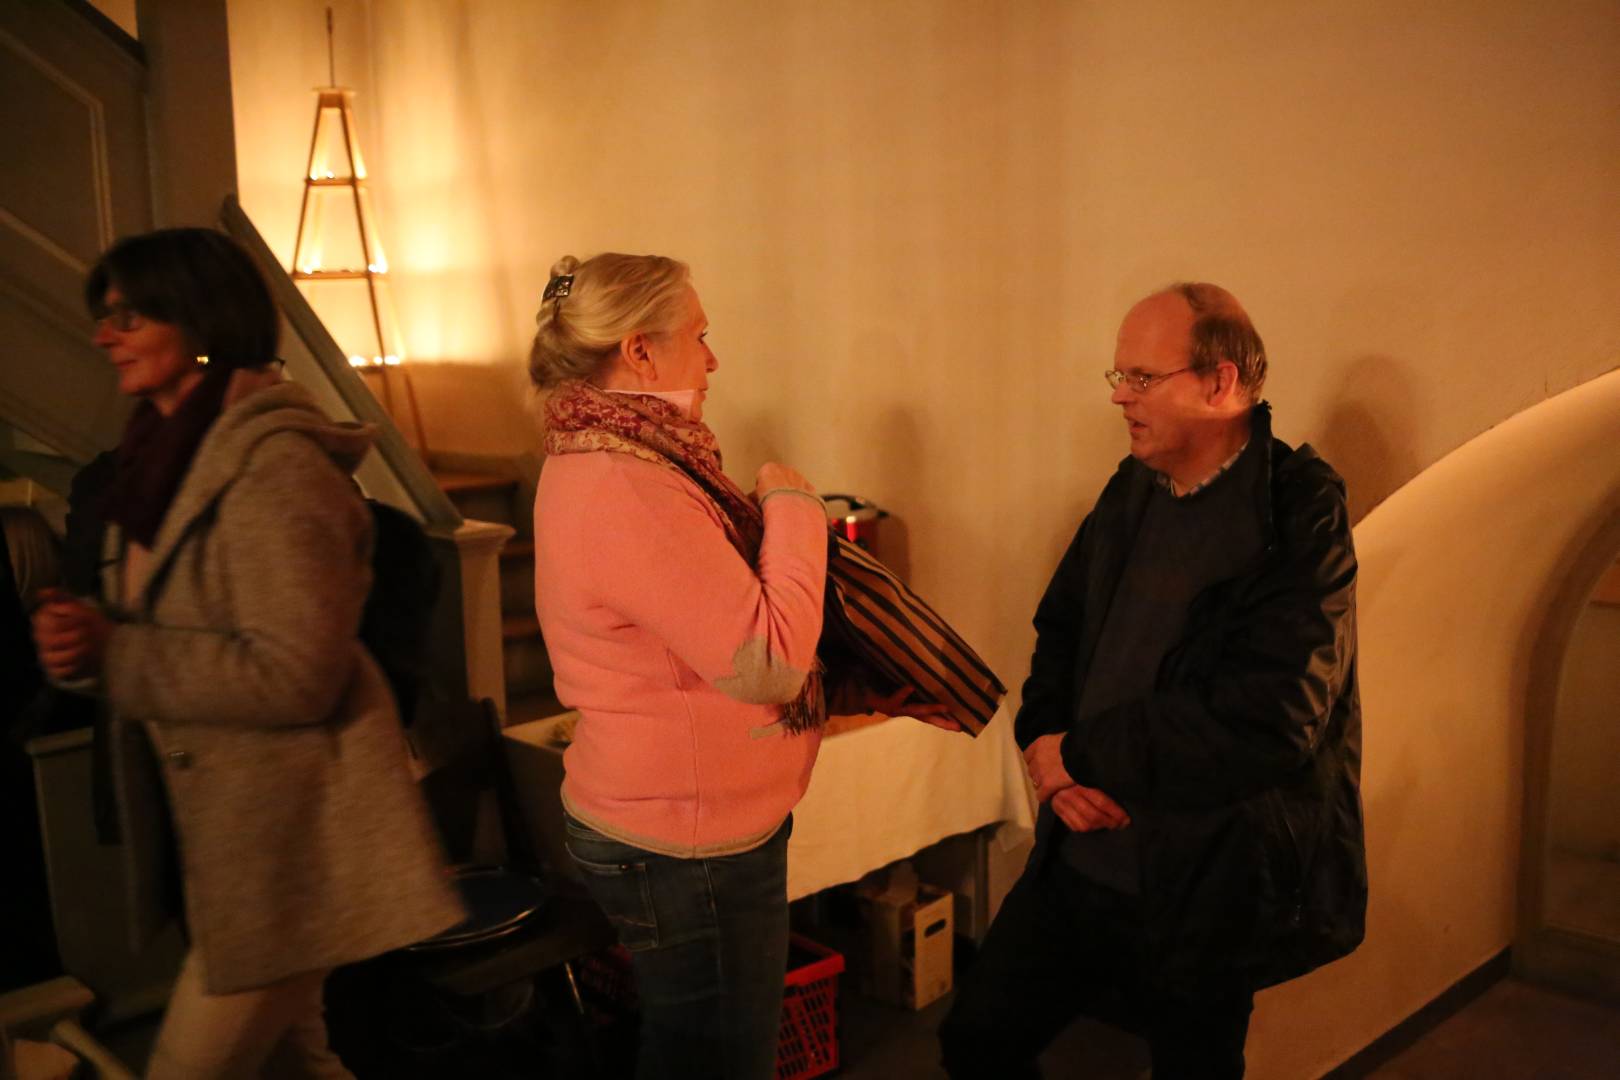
<point x="882" y="792"/>
<point x="878" y="794"/>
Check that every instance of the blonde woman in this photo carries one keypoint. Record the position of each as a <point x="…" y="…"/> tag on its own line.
<point x="682" y="616"/>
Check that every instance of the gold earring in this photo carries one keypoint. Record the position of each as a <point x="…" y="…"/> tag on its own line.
<point x="202" y="361"/>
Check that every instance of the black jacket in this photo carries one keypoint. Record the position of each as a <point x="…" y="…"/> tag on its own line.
<point x="1243" y="767"/>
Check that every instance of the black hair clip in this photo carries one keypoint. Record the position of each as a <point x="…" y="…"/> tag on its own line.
<point x="558" y="287"/>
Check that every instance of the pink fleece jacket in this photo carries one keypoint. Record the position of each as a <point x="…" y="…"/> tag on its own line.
<point x="676" y="653"/>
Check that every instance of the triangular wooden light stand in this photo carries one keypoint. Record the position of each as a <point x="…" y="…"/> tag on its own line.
<point x="335" y="106"/>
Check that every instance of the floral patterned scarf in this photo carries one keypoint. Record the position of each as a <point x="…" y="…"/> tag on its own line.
<point x="581" y="418"/>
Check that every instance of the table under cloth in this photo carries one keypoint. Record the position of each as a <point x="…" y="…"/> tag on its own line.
<point x="885" y="791"/>
<point x="879" y="793"/>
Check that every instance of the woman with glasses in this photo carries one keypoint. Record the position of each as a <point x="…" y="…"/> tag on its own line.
<point x="250" y="736"/>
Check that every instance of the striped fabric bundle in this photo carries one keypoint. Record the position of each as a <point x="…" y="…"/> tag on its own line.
<point x="873" y="623"/>
<point x="876" y="632"/>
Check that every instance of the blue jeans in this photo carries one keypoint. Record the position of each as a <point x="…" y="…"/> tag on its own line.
<point x="708" y="944"/>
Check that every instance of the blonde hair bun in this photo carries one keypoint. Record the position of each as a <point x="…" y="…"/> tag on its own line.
<point x="611" y="297"/>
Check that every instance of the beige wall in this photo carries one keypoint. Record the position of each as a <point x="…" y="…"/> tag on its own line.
<point x="915" y="227"/>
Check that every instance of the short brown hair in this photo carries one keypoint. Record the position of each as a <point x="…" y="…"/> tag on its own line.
<point x="1222" y="331"/>
<point x="199" y="280"/>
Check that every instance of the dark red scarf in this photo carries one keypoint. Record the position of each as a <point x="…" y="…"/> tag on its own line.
<point x="155" y="454"/>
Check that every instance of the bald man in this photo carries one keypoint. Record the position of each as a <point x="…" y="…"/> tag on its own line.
<point x="1191" y="723"/>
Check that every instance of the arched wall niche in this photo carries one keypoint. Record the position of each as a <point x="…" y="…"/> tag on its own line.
<point x="1544" y="950"/>
<point x="1472" y="575"/>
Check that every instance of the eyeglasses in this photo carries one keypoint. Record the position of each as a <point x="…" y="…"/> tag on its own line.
<point x="1140" y="381"/>
<point x="119" y="316"/>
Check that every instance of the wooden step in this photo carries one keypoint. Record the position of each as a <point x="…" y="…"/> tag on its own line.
<point x="481" y="496"/>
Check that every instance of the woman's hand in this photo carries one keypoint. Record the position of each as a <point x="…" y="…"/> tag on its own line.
<point x="70" y="635"/>
<point x="773" y="476"/>
<point x="895" y="705"/>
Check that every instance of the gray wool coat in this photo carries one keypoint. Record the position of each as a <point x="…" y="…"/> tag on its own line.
<point x="241" y="692"/>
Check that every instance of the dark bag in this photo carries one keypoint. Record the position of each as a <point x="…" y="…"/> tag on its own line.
<point x="396" y="627"/>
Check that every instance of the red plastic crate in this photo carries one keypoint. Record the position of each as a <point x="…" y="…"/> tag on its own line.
<point x="606" y="985"/>
<point x="807" y="1045"/>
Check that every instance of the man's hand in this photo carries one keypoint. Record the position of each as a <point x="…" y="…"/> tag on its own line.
<point x="71" y="635"/>
<point x="1085" y="809"/>
<point x="1082" y="809"/>
<point x="1044" y="760"/>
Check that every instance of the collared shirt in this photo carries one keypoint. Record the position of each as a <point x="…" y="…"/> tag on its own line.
<point x="1164" y="481"/>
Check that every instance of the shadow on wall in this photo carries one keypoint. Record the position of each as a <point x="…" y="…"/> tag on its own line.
<point x="897" y="458"/>
<point x="1370" y="435"/>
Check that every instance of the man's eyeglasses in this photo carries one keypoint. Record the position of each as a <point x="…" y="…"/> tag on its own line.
<point x="1139" y="381"/>
<point x="119" y="316"/>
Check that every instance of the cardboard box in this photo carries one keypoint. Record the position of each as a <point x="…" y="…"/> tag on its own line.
<point x="909" y="931"/>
